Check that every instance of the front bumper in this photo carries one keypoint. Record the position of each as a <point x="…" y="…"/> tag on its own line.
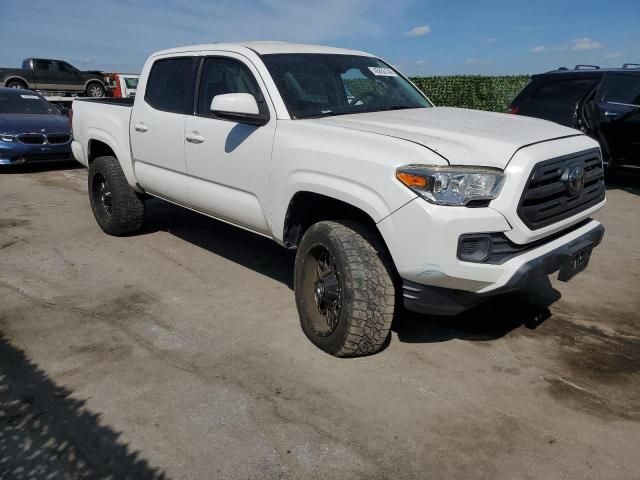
<point x="16" y="153"/>
<point x="423" y="240"/>
<point x="443" y="301"/>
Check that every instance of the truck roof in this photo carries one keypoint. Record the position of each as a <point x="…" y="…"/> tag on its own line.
<point x="264" y="48"/>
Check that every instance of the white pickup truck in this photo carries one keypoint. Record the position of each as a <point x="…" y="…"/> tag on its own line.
<point x="334" y="153"/>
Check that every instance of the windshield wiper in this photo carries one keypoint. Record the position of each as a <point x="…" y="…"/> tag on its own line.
<point x="393" y="107"/>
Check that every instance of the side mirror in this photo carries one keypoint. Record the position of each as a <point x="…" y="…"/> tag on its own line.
<point x="239" y="107"/>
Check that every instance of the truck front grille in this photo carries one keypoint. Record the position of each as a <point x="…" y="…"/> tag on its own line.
<point x="41" y="138"/>
<point x="32" y="138"/>
<point x="562" y="187"/>
<point x="58" y="138"/>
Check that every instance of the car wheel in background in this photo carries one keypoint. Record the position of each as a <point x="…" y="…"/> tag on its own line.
<point x="118" y="209"/>
<point x="95" y="89"/>
<point x="16" y="84"/>
<point x="344" y="289"/>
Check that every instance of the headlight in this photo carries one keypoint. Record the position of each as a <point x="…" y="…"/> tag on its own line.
<point x="6" y="138"/>
<point x="452" y="185"/>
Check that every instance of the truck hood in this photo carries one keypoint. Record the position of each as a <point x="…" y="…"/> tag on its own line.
<point x="459" y="135"/>
<point x="20" y="123"/>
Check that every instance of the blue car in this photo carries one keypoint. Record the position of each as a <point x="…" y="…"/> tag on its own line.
<point x="32" y="129"/>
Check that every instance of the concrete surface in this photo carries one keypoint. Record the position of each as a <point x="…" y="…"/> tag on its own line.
<point x="177" y="353"/>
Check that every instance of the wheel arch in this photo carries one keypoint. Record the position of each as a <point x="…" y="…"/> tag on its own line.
<point x="102" y="143"/>
<point x="98" y="148"/>
<point x="16" y="77"/>
<point x="94" y="80"/>
<point x="307" y="207"/>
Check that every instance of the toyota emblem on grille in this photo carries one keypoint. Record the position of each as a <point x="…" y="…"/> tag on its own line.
<point x="574" y="179"/>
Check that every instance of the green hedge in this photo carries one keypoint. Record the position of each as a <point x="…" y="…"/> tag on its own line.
<point x="472" y="91"/>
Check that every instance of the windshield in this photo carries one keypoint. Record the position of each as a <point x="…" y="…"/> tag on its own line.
<point x="22" y="101"/>
<point x="316" y="85"/>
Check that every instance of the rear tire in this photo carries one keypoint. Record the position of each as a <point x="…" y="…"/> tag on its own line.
<point x="344" y="289"/>
<point x="118" y="209"/>
<point x="16" y="84"/>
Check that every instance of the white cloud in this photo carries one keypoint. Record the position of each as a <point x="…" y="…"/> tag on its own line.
<point x="419" y="31"/>
<point x="585" y="43"/>
<point x="539" y="49"/>
<point x="478" y="61"/>
<point x="489" y="40"/>
<point x="613" y="55"/>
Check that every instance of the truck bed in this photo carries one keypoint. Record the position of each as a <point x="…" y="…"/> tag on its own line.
<point x="106" y="121"/>
<point x="123" y="102"/>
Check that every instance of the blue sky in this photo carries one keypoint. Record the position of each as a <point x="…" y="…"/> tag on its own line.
<point x="419" y="36"/>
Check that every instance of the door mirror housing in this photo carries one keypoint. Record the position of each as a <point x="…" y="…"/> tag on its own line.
<point x="238" y="107"/>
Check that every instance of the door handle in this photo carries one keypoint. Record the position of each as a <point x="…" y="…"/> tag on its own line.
<point x="140" y="127"/>
<point x="194" y="137"/>
<point x="610" y="114"/>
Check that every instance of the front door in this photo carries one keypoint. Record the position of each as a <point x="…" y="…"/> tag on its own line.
<point x="157" y="127"/>
<point x="70" y="77"/>
<point x="229" y="162"/>
<point x="618" y="102"/>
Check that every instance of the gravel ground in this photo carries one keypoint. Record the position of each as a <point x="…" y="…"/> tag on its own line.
<point x="176" y="353"/>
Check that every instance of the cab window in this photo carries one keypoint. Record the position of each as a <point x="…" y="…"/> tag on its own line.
<point x="44" y="65"/>
<point x="171" y="84"/>
<point x="65" y="67"/>
<point x="224" y="75"/>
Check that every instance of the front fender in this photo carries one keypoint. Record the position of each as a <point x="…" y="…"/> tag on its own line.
<point x="355" y="167"/>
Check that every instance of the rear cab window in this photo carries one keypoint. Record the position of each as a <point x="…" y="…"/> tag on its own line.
<point x="43" y="65"/>
<point x="171" y="83"/>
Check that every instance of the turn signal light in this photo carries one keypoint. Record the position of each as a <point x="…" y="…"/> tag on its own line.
<point x="412" y="181"/>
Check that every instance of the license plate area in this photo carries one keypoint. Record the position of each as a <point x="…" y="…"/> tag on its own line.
<point x="575" y="261"/>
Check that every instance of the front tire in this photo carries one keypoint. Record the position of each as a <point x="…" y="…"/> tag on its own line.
<point x="118" y="209"/>
<point x="95" y="90"/>
<point x="344" y="289"/>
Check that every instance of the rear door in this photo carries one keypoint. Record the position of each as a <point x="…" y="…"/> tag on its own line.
<point x="44" y="74"/>
<point x="157" y="127"/>
<point x="618" y="102"/>
<point x="229" y="162"/>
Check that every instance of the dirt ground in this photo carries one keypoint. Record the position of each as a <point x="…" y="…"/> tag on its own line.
<point x="177" y="353"/>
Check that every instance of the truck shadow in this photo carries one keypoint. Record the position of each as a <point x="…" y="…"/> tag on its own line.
<point x="39" y="167"/>
<point x="491" y="320"/>
<point x="244" y="248"/>
<point x="628" y="181"/>
<point x="45" y="433"/>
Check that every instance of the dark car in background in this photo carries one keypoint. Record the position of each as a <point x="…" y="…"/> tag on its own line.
<point x="47" y="75"/>
<point x="604" y="103"/>
<point x="32" y="129"/>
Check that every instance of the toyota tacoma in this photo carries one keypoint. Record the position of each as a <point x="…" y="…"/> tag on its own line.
<point x="388" y="200"/>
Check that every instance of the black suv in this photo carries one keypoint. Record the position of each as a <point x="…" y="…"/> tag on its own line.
<point x="604" y="103"/>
